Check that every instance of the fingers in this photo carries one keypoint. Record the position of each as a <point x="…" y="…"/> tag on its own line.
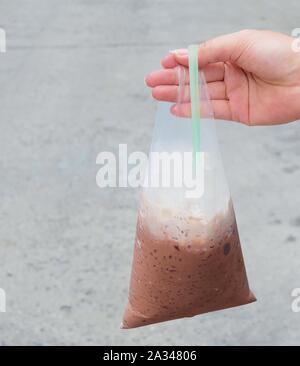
<point x="170" y="93"/>
<point x="213" y="72"/>
<point x="221" y="109"/>
<point x="169" y="61"/>
<point x="163" y="77"/>
<point x="220" y="49"/>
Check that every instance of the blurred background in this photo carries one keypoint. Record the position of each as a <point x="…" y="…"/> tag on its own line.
<point x="71" y="86"/>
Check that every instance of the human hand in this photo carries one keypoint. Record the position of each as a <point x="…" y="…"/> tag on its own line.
<point x="253" y="77"/>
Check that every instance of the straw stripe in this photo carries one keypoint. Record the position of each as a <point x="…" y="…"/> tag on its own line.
<point x="194" y="93"/>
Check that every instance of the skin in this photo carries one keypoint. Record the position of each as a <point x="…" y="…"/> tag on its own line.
<point x="253" y="77"/>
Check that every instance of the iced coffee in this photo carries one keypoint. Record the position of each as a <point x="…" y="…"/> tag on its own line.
<point x="184" y="265"/>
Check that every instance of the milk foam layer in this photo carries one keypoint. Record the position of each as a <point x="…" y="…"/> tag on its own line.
<point x="184" y="223"/>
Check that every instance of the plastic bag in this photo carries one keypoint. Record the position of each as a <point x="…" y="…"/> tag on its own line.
<point x="187" y="255"/>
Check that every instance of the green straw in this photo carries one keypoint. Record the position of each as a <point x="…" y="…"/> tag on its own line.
<point x="195" y="105"/>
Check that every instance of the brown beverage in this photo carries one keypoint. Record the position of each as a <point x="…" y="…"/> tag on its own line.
<point x="184" y="266"/>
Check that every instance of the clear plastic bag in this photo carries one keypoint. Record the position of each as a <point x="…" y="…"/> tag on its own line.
<point x="187" y="255"/>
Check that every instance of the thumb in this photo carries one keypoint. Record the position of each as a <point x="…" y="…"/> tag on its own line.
<point x="221" y="49"/>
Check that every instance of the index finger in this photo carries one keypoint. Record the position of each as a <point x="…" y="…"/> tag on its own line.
<point x="212" y="72"/>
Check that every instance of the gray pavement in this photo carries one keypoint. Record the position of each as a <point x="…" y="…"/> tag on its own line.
<point x="71" y="86"/>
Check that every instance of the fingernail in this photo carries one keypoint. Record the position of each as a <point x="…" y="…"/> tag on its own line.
<point x="146" y="80"/>
<point x="174" y="109"/>
<point x="180" y="52"/>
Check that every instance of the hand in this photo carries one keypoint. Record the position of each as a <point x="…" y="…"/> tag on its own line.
<point x="253" y="77"/>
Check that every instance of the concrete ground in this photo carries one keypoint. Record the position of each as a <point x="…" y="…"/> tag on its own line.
<point x="71" y="86"/>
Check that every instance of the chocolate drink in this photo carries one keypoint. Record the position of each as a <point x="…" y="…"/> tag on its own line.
<point x="183" y="266"/>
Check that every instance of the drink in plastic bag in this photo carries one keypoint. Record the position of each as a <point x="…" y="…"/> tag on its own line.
<point x="187" y="254"/>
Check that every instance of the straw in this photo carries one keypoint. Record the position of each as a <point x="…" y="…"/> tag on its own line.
<point x="195" y="105"/>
